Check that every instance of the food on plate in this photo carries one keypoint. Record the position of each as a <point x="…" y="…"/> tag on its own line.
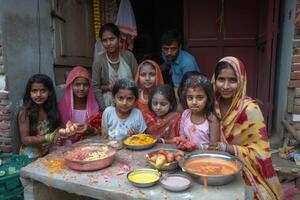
<point x="139" y="139"/>
<point x="211" y="166"/>
<point x="163" y="158"/>
<point x="88" y="154"/>
<point x="143" y="176"/>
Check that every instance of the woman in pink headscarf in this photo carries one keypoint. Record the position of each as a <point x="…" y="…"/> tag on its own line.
<point x="78" y="103"/>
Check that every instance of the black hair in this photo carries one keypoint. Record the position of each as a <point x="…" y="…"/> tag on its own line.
<point x="171" y="36"/>
<point x="222" y="65"/>
<point x="203" y="82"/>
<point x="125" y="84"/>
<point x="50" y="105"/>
<point x="168" y="92"/>
<point x="185" y="76"/>
<point x="110" y="27"/>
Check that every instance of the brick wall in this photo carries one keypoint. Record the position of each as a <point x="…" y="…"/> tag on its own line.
<point x="5" y="108"/>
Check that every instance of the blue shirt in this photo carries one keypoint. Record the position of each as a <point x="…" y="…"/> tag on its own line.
<point x="117" y="128"/>
<point x="184" y="62"/>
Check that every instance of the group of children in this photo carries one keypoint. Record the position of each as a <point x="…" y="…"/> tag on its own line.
<point x="144" y="105"/>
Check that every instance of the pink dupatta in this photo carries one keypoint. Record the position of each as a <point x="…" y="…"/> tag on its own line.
<point x="66" y="104"/>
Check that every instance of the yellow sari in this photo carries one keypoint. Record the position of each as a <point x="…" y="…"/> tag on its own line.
<point x="243" y="127"/>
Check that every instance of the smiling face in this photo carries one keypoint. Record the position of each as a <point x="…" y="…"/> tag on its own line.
<point x="124" y="100"/>
<point x="196" y="99"/>
<point x="80" y="87"/>
<point x="227" y="83"/>
<point x="160" y="105"/>
<point x="147" y="76"/>
<point x="110" y="42"/>
<point x="39" y="93"/>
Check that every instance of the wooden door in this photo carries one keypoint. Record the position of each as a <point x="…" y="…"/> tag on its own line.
<point x="244" y="29"/>
<point x="73" y="32"/>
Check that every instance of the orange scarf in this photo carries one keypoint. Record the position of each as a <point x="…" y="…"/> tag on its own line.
<point x="142" y="104"/>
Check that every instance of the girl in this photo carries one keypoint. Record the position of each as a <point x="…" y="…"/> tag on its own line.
<point x="78" y="103"/>
<point x="163" y="122"/>
<point x="185" y="77"/>
<point x="244" y="132"/>
<point x="123" y="119"/>
<point x="147" y="77"/>
<point x="198" y="125"/>
<point x="111" y="65"/>
<point x="38" y="119"/>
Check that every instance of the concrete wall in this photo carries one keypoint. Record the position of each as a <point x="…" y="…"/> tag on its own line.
<point x="27" y="41"/>
<point x="284" y="61"/>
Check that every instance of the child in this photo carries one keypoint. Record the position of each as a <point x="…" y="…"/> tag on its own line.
<point x="163" y="122"/>
<point x="123" y="119"/>
<point x="199" y="125"/>
<point x="38" y="119"/>
<point x="79" y="102"/>
<point x="147" y="77"/>
<point x="185" y="77"/>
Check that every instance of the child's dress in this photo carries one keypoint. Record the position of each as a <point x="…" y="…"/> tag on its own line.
<point x="166" y="128"/>
<point x="196" y="133"/>
<point x="34" y="152"/>
<point x="117" y="128"/>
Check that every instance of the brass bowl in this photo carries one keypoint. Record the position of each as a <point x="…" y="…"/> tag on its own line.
<point x="144" y="171"/>
<point x="139" y="146"/>
<point x="213" y="179"/>
<point x="74" y="163"/>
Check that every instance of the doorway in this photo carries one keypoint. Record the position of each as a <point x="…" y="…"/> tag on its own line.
<point x="153" y="17"/>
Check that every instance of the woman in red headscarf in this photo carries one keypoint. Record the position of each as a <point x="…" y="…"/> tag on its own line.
<point x="78" y="103"/>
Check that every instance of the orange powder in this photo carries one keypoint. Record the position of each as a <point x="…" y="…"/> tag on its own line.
<point x="210" y="166"/>
<point x="205" y="183"/>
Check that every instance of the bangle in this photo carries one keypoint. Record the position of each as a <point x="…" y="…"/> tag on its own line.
<point x="226" y="147"/>
<point x="163" y="141"/>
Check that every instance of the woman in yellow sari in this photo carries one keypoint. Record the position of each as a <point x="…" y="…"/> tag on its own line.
<point x="244" y="132"/>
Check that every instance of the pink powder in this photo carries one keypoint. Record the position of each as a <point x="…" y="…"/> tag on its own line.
<point x="176" y="181"/>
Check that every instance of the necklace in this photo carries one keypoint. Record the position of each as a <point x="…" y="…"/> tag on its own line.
<point x="142" y="96"/>
<point x="113" y="62"/>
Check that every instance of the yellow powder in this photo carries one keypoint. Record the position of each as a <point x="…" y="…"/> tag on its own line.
<point x="143" y="177"/>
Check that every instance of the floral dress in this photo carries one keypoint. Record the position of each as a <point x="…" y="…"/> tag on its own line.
<point x="34" y="152"/>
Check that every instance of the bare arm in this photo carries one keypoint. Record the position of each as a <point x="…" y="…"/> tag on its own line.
<point x="24" y="129"/>
<point x="214" y="129"/>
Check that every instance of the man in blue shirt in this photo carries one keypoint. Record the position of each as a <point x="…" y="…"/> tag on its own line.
<point x="177" y="61"/>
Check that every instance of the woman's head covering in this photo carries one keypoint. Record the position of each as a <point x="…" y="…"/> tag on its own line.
<point x="159" y="77"/>
<point x="244" y="129"/>
<point x="240" y="72"/>
<point x="66" y="104"/>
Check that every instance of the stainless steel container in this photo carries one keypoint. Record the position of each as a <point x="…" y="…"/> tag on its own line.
<point x="213" y="180"/>
<point x="144" y="171"/>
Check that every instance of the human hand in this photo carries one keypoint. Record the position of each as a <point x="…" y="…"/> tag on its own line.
<point x="44" y="146"/>
<point x="71" y="129"/>
<point x="190" y="146"/>
<point x="59" y="141"/>
<point x="132" y="131"/>
<point x="219" y="146"/>
<point x="180" y="142"/>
